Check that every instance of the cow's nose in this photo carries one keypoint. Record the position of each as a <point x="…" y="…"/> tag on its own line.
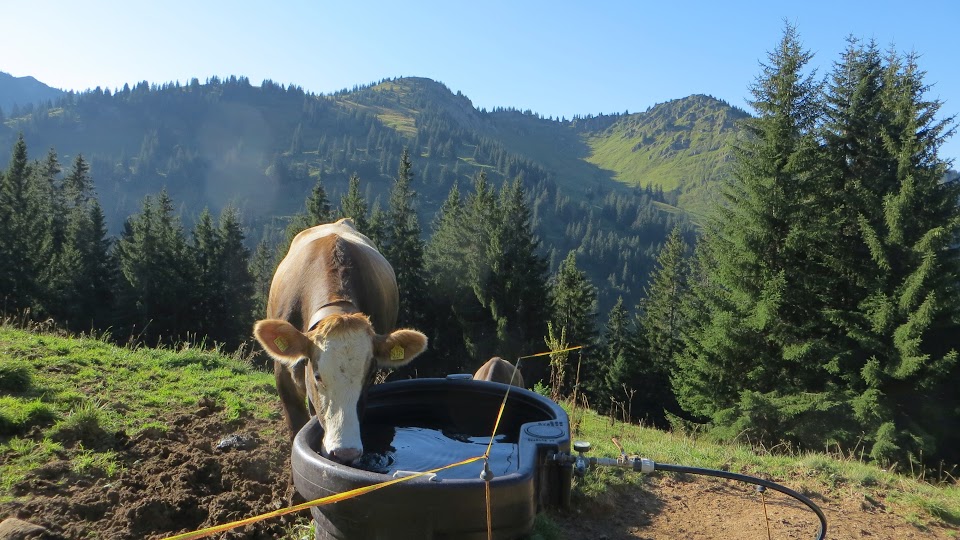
<point x="346" y="455"/>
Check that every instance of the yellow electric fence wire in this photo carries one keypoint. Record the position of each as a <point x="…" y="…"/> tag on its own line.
<point x="550" y="352"/>
<point x="496" y="426"/>
<point x="503" y="404"/>
<point x="766" y="519"/>
<point x="486" y="485"/>
<point x="337" y="497"/>
<point x="330" y="499"/>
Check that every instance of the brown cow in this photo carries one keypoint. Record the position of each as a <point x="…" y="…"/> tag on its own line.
<point x="499" y="370"/>
<point x="330" y="324"/>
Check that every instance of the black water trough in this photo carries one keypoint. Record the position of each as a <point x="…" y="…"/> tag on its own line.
<point x="422" y="424"/>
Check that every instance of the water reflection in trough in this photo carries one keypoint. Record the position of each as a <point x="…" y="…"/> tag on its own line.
<point x="390" y="449"/>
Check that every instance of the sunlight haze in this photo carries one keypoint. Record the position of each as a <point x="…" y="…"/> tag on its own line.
<point x="558" y="59"/>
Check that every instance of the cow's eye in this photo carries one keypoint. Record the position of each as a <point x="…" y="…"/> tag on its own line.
<point x="320" y="380"/>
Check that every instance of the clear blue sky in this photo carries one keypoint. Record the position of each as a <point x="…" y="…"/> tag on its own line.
<point x="557" y="58"/>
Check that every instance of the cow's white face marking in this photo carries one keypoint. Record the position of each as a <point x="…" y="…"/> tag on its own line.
<point x="341" y="353"/>
<point x="335" y="381"/>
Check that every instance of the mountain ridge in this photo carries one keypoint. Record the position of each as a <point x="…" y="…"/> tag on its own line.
<point x="23" y="91"/>
<point x="226" y="142"/>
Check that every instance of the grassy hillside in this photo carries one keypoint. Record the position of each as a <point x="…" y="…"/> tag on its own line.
<point x="98" y="441"/>
<point x="683" y="145"/>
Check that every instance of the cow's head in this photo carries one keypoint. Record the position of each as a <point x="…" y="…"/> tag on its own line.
<point x="342" y="356"/>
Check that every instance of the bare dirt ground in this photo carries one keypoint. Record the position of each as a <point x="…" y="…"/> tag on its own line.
<point x="692" y="507"/>
<point x="180" y="481"/>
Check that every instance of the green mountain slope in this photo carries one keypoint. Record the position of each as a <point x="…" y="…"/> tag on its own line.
<point x="683" y="145"/>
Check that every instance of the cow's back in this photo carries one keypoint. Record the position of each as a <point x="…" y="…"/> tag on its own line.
<point x="333" y="263"/>
<point x="499" y="370"/>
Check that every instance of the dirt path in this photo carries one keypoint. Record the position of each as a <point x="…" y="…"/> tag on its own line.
<point x="706" y="508"/>
<point x="180" y="481"/>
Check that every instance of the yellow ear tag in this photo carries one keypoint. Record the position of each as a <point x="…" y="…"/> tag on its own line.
<point x="396" y="353"/>
<point x="281" y="344"/>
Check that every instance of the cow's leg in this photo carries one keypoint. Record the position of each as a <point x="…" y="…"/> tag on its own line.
<point x="290" y="386"/>
<point x="293" y="395"/>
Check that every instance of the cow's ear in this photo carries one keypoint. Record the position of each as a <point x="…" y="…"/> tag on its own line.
<point x="282" y="341"/>
<point x="399" y="348"/>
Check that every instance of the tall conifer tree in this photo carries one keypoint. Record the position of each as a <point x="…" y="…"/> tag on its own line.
<point x="157" y="271"/>
<point x="238" y="283"/>
<point x="87" y="269"/>
<point x="261" y="270"/>
<point x="620" y="365"/>
<point x="23" y="233"/>
<point x="354" y="206"/>
<point x="318" y="205"/>
<point x="402" y="245"/>
<point x="900" y="323"/>
<point x="662" y="315"/>
<point x="207" y="296"/>
<point x="755" y="365"/>
<point x="445" y="268"/>
<point x="574" y="313"/>
<point x="520" y="274"/>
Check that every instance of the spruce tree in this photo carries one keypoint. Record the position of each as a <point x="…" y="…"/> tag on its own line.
<point x="377" y="228"/>
<point x="445" y="268"/>
<point x="317" y="212"/>
<point x="78" y="188"/>
<point x="50" y="280"/>
<point x="661" y="319"/>
<point x="238" y="283"/>
<point x="261" y="270"/>
<point x="472" y="246"/>
<point x="754" y="364"/>
<point x="403" y="247"/>
<point x="619" y="366"/>
<point x="519" y="274"/>
<point x="157" y="274"/>
<point x="208" y="294"/>
<point x="487" y="276"/>
<point x="354" y="206"/>
<point x="902" y="326"/>
<point x="443" y="257"/>
<point x="87" y="268"/>
<point x="704" y="361"/>
<point x="318" y="206"/>
<point x="573" y="303"/>
<point x="95" y="282"/>
<point x="24" y="239"/>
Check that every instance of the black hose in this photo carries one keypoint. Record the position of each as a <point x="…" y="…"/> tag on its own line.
<point x="751" y="480"/>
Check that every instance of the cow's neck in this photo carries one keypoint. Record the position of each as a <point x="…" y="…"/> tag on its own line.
<point x="339" y="307"/>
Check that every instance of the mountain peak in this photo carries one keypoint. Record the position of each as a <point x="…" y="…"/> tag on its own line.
<point x="23" y="91"/>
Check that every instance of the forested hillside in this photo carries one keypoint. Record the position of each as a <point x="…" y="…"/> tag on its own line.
<point x="261" y="149"/>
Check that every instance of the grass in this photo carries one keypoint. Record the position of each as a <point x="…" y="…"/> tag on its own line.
<point x="67" y="398"/>
<point x="20" y="456"/>
<point x="96" y="463"/>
